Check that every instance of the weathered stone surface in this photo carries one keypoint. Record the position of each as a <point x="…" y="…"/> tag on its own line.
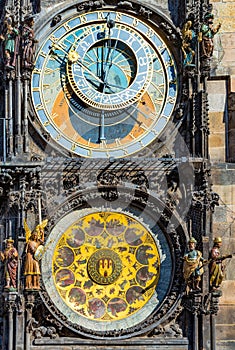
<point x="220" y="214"/>
<point x="225" y="11"/>
<point x="225" y="192"/>
<point x="226" y="345"/>
<point x="222" y="228"/>
<point x="51" y="2"/>
<point x="229" y="55"/>
<point x="224" y="41"/>
<point x="232" y="87"/>
<point x="217" y="139"/>
<point x="228" y="297"/>
<point x="222" y="175"/>
<point x="217" y="154"/>
<point x="217" y="122"/>
<point x="162" y="3"/>
<point x="226" y="313"/>
<point x="225" y="331"/>
<point x="223" y="179"/>
<point x="225" y="322"/>
<point x="129" y="344"/>
<point x="217" y="102"/>
<point x="228" y="40"/>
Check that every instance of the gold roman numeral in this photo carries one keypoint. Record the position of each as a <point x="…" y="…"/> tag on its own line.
<point x="83" y="19"/>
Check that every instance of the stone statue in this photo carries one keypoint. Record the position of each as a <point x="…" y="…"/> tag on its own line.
<point x="10" y="43"/>
<point x="189" y="40"/>
<point x="28" y="42"/>
<point x="216" y="268"/>
<point x="207" y="34"/>
<point x="10" y="259"/>
<point x="34" y="243"/>
<point x="192" y="267"/>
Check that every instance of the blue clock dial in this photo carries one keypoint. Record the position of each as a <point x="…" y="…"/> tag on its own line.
<point x="113" y="73"/>
<point x="104" y="90"/>
<point x="114" y="63"/>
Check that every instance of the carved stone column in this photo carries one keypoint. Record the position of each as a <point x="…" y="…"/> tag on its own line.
<point x="10" y="118"/>
<point x="18" y="136"/>
<point x="25" y="112"/>
<point x="193" y="303"/>
<point x="206" y="328"/>
<point x="29" y="304"/>
<point x="214" y="308"/>
<point x="10" y="304"/>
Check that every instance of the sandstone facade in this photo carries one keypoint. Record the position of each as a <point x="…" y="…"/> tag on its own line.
<point x="221" y="90"/>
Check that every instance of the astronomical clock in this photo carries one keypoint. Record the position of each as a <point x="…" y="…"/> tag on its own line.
<point x="102" y="172"/>
<point x="105" y="84"/>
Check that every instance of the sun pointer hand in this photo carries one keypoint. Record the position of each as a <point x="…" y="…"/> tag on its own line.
<point x="73" y="57"/>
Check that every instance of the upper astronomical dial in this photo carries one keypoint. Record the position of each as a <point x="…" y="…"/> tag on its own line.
<point x="110" y="69"/>
<point x="104" y="84"/>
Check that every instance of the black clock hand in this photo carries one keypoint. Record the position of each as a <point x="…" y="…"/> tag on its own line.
<point x="90" y="72"/>
<point x="73" y="57"/>
<point x="103" y="51"/>
<point x="102" y="137"/>
<point x="108" y="66"/>
<point x="110" y="24"/>
<point x="108" y="85"/>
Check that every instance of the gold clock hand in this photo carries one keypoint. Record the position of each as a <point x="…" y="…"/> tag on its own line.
<point x="73" y="57"/>
<point x="56" y="46"/>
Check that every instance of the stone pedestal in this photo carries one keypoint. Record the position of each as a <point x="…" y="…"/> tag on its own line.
<point x="128" y="344"/>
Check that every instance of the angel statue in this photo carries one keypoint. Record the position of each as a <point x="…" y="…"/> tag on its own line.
<point x="33" y="250"/>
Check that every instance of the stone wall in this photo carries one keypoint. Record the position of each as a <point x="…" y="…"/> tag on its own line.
<point x="224" y="11"/>
<point x="222" y="151"/>
<point x="223" y="177"/>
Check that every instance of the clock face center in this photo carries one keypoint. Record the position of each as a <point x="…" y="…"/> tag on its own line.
<point x="104" y="266"/>
<point x="112" y="70"/>
<point x="113" y="63"/>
